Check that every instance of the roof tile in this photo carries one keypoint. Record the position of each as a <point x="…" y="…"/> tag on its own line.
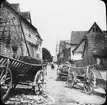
<point x="26" y="15"/>
<point x="77" y="36"/>
<point x="15" y="6"/>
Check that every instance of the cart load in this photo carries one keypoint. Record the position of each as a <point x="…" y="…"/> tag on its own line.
<point x="29" y="59"/>
<point x="13" y="72"/>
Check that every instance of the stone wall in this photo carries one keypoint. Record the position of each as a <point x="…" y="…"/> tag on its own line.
<point x="95" y="42"/>
<point x="14" y="35"/>
<point x="10" y="34"/>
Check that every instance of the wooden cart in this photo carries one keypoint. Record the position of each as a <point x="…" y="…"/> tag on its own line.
<point x="13" y="72"/>
<point x="86" y="75"/>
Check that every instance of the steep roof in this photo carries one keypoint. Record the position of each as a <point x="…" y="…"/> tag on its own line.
<point x="7" y="4"/>
<point x="80" y="46"/>
<point x="15" y="6"/>
<point x="67" y="44"/>
<point x="26" y="15"/>
<point x="95" y="26"/>
<point x="67" y="41"/>
<point x="64" y="44"/>
<point x="77" y="36"/>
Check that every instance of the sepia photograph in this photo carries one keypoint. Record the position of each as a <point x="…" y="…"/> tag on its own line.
<point x="53" y="52"/>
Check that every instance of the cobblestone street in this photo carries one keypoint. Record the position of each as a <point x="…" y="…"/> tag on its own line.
<point x="55" y="93"/>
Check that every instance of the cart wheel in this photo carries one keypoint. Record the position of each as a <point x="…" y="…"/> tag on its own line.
<point x="70" y="80"/>
<point x="88" y="88"/>
<point x="89" y="82"/>
<point x="38" y="82"/>
<point x="5" y="82"/>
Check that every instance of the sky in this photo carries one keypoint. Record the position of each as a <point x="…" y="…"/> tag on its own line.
<point x="56" y="19"/>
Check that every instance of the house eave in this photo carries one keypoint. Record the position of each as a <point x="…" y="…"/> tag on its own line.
<point x="6" y="4"/>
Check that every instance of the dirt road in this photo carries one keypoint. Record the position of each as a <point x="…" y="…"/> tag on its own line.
<point x="61" y="94"/>
<point x="55" y="93"/>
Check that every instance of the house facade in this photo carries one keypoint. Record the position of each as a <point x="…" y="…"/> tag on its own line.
<point x="76" y="37"/>
<point x="64" y="51"/>
<point x="94" y="47"/>
<point x="18" y="37"/>
<point x="60" y="53"/>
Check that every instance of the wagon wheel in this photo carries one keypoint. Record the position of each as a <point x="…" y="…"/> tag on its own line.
<point x="38" y="82"/>
<point x="5" y="82"/>
<point x="71" y="80"/>
<point x="89" y="82"/>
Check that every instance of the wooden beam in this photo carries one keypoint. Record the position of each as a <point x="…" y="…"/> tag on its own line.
<point x="5" y="24"/>
<point x="15" y="28"/>
<point x="24" y="36"/>
<point x="79" y="44"/>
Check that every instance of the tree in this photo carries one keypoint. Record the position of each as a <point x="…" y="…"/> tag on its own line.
<point x="46" y="55"/>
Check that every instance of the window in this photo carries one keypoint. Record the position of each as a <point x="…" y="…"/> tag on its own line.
<point x="94" y="29"/>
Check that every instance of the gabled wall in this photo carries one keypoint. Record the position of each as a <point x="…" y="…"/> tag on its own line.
<point x="96" y="42"/>
<point x="14" y="31"/>
<point x="95" y="46"/>
<point x="76" y="55"/>
<point x="10" y="32"/>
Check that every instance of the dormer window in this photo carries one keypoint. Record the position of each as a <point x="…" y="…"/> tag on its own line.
<point x="94" y="29"/>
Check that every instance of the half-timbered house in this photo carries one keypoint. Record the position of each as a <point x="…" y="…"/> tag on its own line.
<point x="18" y="37"/>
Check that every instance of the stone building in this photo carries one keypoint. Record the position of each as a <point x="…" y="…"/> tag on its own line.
<point x="18" y="37"/>
<point x="93" y="45"/>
